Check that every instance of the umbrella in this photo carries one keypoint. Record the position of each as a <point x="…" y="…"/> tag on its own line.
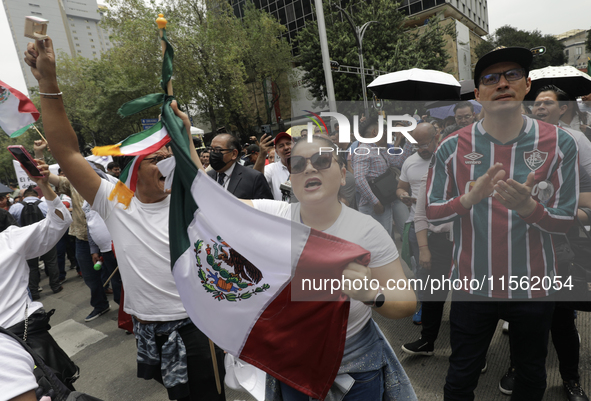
<point x="416" y="84"/>
<point x="5" y="190"/>
<point x="568" y="78"/>
<point x="296" y="130"/>
<point x="446" y="111"/>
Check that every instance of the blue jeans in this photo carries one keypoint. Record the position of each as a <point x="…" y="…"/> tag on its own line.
<point x="400" y="214"/>
<point x="385" y="219"/>
<point x="92" y="278"/>
<point x="368" y="386"/>
<point x="473" y="325"/>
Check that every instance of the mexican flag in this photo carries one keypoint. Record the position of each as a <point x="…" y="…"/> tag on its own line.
<point x="17" y="112"/>
<point x="142" y="143"/>
<point x="239" y="287"/>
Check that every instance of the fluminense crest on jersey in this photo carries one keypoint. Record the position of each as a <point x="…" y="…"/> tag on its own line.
<point x="535" y="159"/>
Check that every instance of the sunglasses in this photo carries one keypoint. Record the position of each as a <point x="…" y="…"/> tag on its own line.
<point x="298" y="164"/>
<point x="511" y="75"/>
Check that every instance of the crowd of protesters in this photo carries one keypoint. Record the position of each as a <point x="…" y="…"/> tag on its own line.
<point x="464" y="183"/>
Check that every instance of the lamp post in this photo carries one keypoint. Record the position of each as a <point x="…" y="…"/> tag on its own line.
<point x="359" y="32"/>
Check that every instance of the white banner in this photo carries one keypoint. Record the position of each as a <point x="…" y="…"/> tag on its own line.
<point x="23" y="179"/>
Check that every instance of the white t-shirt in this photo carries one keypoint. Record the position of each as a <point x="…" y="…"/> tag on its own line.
<point x="413" y="169"/>
<point x="140" y="237"/>
<point x="97" y="228"/>
<point x="354" y="227"/>
<point x="17" y="244"/>
<point x="16" y="372"/>
<point x="584" y="148"/>
<point x="276" y="174"/>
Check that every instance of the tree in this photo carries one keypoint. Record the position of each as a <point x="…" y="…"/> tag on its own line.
<point x="509" y="36"/>
<point x="268" y="56"/>
<point x="387" y="46"/>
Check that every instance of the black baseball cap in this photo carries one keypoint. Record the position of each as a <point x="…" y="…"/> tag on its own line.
<point x="519" y="55"/>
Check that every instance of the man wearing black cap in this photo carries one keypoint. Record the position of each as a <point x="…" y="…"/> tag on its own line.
<point x="481" y="179"/>
<point x="252" y="153"/>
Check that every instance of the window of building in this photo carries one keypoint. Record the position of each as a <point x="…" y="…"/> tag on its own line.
<point x="93" y="52"/>
<point x="89" y="33"/>
<point x="92" y="46"/>
<point x="77" y="44"/>
<point x="75" y="37"/>
<point x="35" y="13"/>
<point x="92" y="40"/>
<point x="87" y="27"/>
<point x="566" y="53"/>
<point x="34" y="5"/>
<point x="73" y="31"/>
<point x="79" y="51"/>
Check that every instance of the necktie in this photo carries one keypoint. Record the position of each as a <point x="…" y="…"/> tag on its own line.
<point x="221" y="177"/>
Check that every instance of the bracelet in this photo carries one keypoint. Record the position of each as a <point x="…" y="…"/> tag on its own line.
<point x="51" y="94"/>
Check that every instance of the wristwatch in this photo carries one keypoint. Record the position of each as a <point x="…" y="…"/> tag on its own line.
<point x="378" y="301"/>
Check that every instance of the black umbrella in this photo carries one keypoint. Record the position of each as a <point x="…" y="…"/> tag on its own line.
<point x="416" y="84"/>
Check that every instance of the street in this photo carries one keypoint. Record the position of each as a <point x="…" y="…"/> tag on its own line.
<point x="106" y="355"/>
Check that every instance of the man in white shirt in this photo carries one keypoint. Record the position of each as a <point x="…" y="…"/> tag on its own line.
<point x="277" y="173"/>
<point x="140" y="237"/>
<point x="413" y="169"/>
<point x="550" y="106"/>
<point x="17" y="244"/>
<point x="49" y="258"/>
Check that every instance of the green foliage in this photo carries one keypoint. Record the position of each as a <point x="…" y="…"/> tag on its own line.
<point x="387" y="46"/>
<point x="508" y="36"/>
<point x="268" y="56"/>
<point x="215" y="54"/>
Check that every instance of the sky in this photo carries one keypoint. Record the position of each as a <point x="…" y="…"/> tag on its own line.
<point x="543" y="15"/>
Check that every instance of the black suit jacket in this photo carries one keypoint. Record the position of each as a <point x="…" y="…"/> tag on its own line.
<point x="246" y="183"/>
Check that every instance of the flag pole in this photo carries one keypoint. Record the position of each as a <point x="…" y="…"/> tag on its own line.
<point x="161" y="22"/>
<point x="39" y="132"/>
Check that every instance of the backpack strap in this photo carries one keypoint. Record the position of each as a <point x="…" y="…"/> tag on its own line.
<point x="61" y="391"/>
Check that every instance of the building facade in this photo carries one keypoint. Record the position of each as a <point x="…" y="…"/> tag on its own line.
<point x="470" y="18"/>
<point x="73" y="27"/>
<point x="575" y="49"/>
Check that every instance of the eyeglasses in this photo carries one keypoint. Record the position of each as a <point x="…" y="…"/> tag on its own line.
<point x="319" y="161"/>
<point x="157" y="159"/>
<point x="218" y="150"/>
<point x="511" y="75"/>
<point x="425" y="146"/>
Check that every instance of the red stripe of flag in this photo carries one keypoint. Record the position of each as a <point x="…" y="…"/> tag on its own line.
<point x="287" y="326"/>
